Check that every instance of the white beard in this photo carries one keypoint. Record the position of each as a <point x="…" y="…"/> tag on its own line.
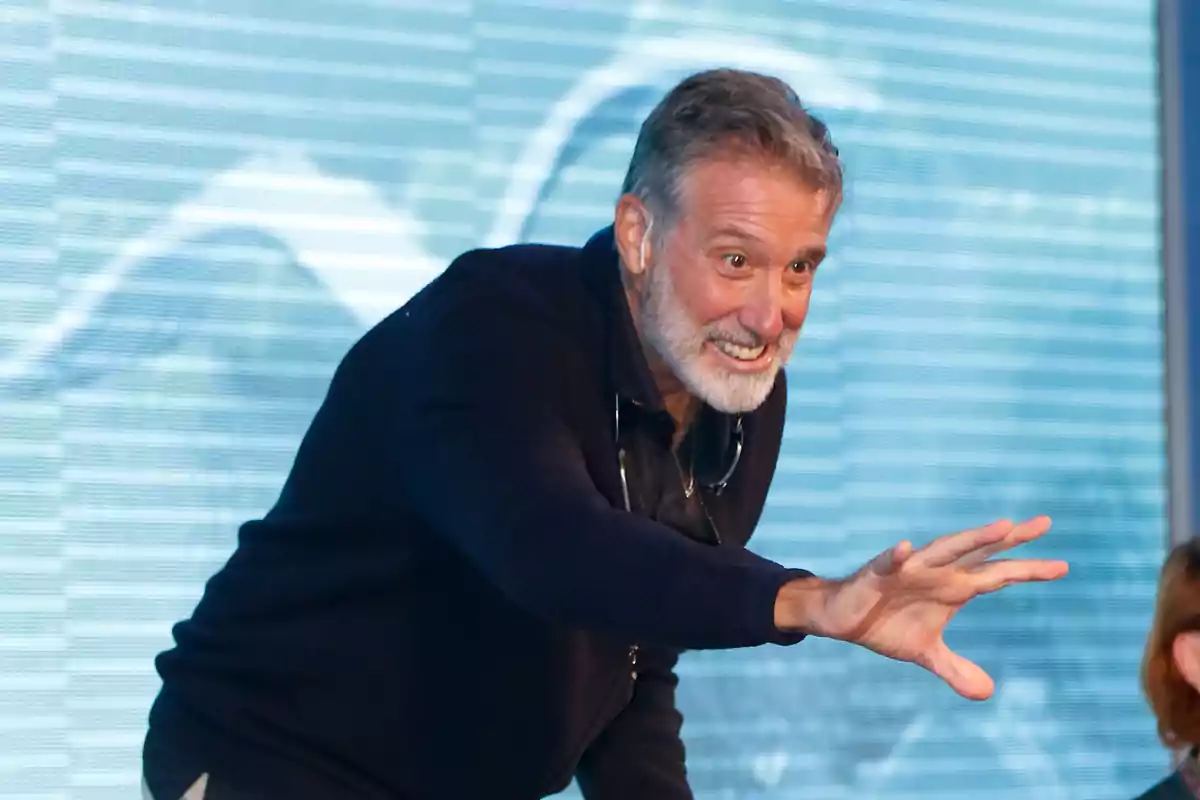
<point x="679" y="342"/>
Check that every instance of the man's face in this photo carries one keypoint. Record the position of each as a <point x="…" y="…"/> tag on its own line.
<point x="723" y="296"/>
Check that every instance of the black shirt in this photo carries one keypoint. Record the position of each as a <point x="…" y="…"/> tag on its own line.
<point x="1182" y="784"/>
<point x="449" y="598"/>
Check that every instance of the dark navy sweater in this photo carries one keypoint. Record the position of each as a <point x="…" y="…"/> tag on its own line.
<point x="450" y="599"/>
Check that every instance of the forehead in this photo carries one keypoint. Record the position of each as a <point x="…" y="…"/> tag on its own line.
<point x="769" y="199"/>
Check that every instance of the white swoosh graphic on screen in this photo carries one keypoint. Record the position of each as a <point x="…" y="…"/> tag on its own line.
<point x="369" y="254"/>
<point x="653" y="62"/>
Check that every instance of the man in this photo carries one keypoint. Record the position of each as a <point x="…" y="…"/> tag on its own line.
<point x="530" y="488"/>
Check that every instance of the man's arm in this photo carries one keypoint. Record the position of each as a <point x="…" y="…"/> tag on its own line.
<point x="473" y="420"/>
<point x="473" y="410"/>
<point x="640" y="754"/>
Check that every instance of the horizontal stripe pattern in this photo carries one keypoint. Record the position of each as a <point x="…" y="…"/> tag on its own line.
<point x="203" y="204"/>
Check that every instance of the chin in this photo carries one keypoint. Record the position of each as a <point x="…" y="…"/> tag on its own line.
<point x="734" y="393"/>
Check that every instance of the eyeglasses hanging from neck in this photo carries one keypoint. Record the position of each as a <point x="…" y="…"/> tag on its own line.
<point x="733" y="457"/>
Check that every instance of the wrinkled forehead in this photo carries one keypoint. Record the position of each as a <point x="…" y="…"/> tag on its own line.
<point x="770" y="199"/>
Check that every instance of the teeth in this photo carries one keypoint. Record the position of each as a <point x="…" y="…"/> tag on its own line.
<point x="740" y="352"/>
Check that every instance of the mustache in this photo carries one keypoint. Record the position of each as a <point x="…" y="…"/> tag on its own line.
<point x="723" y="331"/>
<point x="745" y="338"/>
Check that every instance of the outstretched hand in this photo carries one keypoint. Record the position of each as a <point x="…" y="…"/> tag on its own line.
<point x="899" y="604"/>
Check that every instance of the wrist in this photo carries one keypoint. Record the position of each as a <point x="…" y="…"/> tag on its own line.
<point x="801" y="604"/>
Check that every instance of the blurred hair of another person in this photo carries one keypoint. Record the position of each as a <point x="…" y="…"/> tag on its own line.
<point x="1171" y="670"/>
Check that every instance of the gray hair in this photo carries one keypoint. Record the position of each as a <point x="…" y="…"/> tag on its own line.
<point x="728" y="112"/>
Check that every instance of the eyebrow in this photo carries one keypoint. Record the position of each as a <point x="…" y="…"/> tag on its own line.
<point x="816" y="253"/>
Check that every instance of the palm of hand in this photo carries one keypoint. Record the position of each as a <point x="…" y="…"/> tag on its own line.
<point x="899" y="604"/>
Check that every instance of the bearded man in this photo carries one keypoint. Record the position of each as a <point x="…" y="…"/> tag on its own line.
<point x="531" y="487"/>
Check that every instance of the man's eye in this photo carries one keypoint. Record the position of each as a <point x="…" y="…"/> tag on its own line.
<point x="802" y="267"/>
<point x="736" y="260"/>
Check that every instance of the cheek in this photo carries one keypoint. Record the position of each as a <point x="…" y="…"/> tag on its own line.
<point x="795" y="308"/>
<point x="706" y="295"/>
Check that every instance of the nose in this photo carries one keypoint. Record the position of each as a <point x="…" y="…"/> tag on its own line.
<point x="762" y="311"/>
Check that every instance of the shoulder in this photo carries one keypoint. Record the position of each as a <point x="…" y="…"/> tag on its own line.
<point x="506" y="290"/>
<point x="506" y="323"/>
<point x="534" y="292"/>
<point x="536" y="278"/>
<point x="765" y="425"/>
<point x="775" y="407"/>
<point x="1170" y="788"/>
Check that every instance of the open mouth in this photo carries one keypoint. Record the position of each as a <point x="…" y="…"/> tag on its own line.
<point x="741" y="356"/>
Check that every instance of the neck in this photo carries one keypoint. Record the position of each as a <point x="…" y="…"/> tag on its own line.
<point x="681" y="404"/>
<point x="682" y="408"/>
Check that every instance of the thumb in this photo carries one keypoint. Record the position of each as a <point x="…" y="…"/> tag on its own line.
<point x="965" y="677"/>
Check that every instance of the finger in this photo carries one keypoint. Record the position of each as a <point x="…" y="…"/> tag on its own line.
<point x="963" y="676"/>
<point x="891" y="559"/>
<point x="1021" y="534"/>
<point x="995" y="575"/>
<point x="947" y="549"/>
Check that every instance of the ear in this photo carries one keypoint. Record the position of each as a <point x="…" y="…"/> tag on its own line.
<point x="1186" y="652"/>
<point x="631" y="230"/>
